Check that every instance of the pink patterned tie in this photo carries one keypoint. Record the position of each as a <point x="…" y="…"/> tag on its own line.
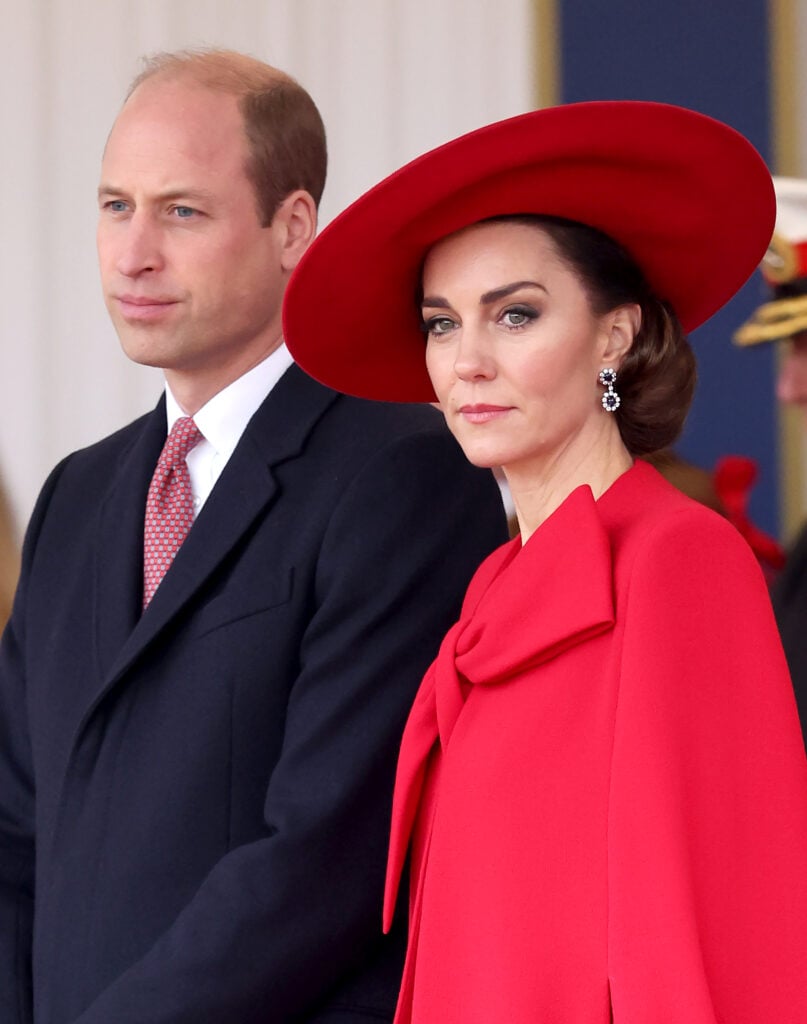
<point x="169" y="505"/>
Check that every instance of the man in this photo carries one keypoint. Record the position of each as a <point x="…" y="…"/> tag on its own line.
<point x="784" y="319"/>
<point x="197" y="746"/>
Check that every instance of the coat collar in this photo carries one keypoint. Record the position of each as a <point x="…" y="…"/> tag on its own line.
<point x="550" y="594"/>
<point x="525" y="606"/>
<point x="276" y="433"/>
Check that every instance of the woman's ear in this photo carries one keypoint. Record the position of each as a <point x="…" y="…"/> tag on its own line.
<point x="621" y="327"/>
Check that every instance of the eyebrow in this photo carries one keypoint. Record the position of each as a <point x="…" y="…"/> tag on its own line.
<point x="437" y="301"/>
<point x="508" y="289"/>
<point x="192" y="194"/>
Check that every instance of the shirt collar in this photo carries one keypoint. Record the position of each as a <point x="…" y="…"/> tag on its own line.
<point x="223" y="419"/>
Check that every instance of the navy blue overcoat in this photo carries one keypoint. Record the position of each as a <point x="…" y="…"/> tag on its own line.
<point x="194" y="801"/>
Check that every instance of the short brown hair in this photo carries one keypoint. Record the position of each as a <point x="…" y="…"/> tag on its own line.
<point x="657" y="376"/>
<point x="283" y="127"/>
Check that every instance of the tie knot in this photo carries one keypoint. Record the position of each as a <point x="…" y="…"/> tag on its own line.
<point x="184" y="436"/>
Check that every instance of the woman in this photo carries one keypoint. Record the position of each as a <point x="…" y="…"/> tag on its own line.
<point x="602" y="785"/>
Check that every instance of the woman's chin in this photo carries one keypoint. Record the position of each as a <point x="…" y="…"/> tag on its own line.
<point x="484" y="458"/>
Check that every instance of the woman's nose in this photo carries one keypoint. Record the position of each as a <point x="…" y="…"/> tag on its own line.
<point x="473" y="358"/>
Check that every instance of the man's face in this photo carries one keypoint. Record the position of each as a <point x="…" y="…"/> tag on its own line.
<point x="791" y="385"/>
<point x="192" y="281"/>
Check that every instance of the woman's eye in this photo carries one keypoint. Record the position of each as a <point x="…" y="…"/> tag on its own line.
<point x="438" y="325"/>
<point x="518" y="316"/>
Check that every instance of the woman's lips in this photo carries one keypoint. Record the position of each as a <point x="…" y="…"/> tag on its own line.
<point x="483" y="413"/>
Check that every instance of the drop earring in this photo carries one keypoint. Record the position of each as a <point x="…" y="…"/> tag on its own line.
<point x="610" y="400"/>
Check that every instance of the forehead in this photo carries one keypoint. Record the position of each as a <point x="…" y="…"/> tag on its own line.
<point x="171" y="128"/>
<point x="492" y="253"/>
<point x="495" y="242"/>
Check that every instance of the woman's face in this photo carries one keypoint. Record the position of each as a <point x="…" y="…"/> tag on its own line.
<point x="791" y="384"/>
<point x="514" y="348"/>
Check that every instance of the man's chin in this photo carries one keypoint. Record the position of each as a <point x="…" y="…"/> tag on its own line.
<point x="143" y="351"/>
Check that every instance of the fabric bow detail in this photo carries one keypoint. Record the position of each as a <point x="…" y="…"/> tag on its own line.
<point x="524" y="606"/>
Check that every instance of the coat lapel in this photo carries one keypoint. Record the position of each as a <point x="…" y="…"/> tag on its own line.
<point x="276" y="433"/>
<point x="554" y="593"/>
<point x="119" y="543"/>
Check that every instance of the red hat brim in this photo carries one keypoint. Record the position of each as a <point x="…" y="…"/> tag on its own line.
<point x="689" y="198"/>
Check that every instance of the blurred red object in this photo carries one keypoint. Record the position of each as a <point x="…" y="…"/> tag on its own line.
<point x="734" y="478"/>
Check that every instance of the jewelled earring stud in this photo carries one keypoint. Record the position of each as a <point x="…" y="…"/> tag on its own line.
<point x="610" y="400"/>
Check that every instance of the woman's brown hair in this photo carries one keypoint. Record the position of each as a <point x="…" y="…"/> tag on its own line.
<point x="656" y="379"/>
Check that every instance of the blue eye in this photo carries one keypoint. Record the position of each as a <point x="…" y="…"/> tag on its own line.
<point x="115" y="205"/>
<point x="438" y="325"/>
<point x="184" y="212"/>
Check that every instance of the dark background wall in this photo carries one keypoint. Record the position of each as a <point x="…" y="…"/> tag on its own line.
<point x="713" y="57"/>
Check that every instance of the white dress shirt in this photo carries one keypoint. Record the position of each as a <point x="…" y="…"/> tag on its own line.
<point x="223" y="420"/>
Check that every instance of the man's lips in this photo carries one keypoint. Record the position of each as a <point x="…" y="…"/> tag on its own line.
<point x="483" y="413"/>
<point x="143" y="307"/>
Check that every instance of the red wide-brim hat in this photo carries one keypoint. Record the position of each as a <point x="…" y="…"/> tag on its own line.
<point x="688" y="197"/>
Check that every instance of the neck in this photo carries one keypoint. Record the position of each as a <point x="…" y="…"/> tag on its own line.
<point x="192" y="390"/>
<point x="538" y="490"/>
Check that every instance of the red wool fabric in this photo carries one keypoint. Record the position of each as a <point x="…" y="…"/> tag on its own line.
<point x="169" y="505"/>
<point x="602" y="783"/>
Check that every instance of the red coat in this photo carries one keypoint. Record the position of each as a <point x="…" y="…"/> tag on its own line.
<point x="604" y="783"/>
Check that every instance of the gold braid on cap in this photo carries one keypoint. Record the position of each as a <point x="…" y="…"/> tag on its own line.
<point x="774" y="321"/>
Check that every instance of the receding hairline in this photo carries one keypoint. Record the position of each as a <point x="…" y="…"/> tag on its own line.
<point x="285" y="135"/>
<point x="225" y="71"/>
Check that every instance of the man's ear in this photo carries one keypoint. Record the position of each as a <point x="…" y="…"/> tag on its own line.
<point x="295" y="222"/>
<point x="621" y="327"/>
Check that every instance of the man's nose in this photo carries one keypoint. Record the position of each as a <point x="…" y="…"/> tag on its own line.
<point x="140" y="247"/>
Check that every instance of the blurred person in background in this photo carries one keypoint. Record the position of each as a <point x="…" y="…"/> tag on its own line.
<point x="783" y="319"/>
<point x="9" y="557"/>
